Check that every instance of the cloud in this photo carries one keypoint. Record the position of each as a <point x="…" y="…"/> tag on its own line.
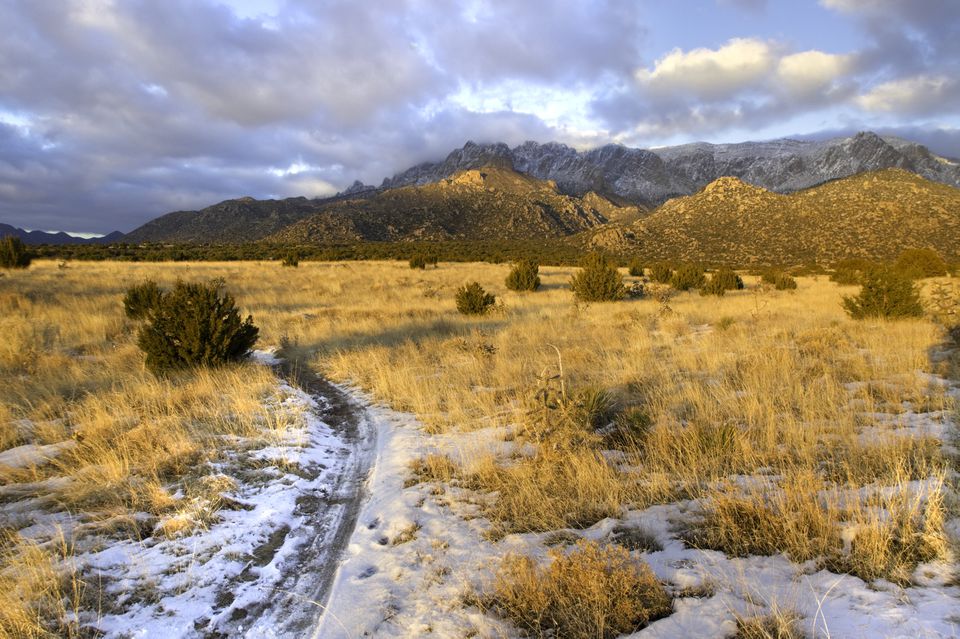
<point x="810" y="72"/>
<point x="922" y="94"/>
<point x="709" y="73"/>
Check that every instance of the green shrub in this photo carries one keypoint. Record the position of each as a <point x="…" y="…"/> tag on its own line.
<point x="524" y="276"/>
<point x="635" y="268"/>
<point x="780" y="280"/>
<point x="291" y="259"/>
<point x="850" y="271"/>
<point x="886" y="293"/>
<point x="713" y="287"/>
<point x="598" y="280"/>
<point x="195" y="325"/>
<point x="13" y="253"/>
<point x="727" y="279"/>
<point x="432" y="259"/>
<point x="473" y="300"/>
<point x="141" y="300"/>
<point x="661" y="273"/>
<point x="688" y="276"/>
<point x="419" y="260"/>
<point x="784" y="282"/>
<point x="920" y="263"/>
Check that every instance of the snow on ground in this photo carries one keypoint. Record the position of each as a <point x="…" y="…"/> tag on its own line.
<point x="206" y="580"/>
<point x="33" y="454"/>
<point x="417" y="551"/>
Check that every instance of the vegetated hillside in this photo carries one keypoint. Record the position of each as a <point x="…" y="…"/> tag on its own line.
<point x="232" y="221"/>
<point x="651" y="177"/>
<point x="47" y="237"/>
<point x="477" y="204"/>
<point x="874" y="215"/>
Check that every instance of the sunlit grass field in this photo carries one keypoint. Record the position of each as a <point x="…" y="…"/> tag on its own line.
<point x="619" y="405"/>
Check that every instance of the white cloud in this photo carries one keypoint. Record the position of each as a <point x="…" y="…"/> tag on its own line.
<point x="711" y="73"/>
<point x="922" y="93"/>
<point x="809" y="72"/>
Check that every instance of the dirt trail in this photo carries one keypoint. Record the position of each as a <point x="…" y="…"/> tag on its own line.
<point x="294" y="607"/>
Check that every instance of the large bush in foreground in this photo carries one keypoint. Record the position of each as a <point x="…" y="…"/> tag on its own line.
<point x="195" y="325"/>
<point x="13" y="253"/>
<point x="141" y="300"/>
<point x="472" y="299"/>
<point x="524" y="276"/>
<point x="598" y="280"/>
<point x="886" y="293"/>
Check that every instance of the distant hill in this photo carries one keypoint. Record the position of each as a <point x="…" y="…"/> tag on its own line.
<point x="874" y="215"/>
<point x="43" y="237"/>
<point x="479" y="204"/>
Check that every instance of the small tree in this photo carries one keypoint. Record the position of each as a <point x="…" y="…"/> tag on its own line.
<point x="141" y="300"/>
<point x="291" y="259"/>
<point x="850" y="271"/>
<point x="13" y="253"/>
<point x="727" y="279"/>
<point x="688" y="276"/>
<point x="713" y="287"/>
<point x="432" y="259"/>
<point x="473" y="300"/>
<point x="780" y="280"/>
<point x="886" y="293"/>
<point x="195" y="325"/>
<point x="419" y="260"/>
<point x="661" y="273"/>
<point x="920" y="263"/>
<point x="524" y="276"/>
<point x="635" y="268"/>
<point x="598" y="280"/>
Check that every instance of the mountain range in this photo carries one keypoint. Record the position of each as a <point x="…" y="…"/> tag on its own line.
<point x="48" y="237"/>
<point x="659" y="202"/>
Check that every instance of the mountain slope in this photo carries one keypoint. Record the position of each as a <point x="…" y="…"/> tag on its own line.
<point x="651" y="177"/>
<point x="486" y="203"/>
<point x="46" y="237"/>
<point x="241" y="220"/>
<point x="874" y="215"/>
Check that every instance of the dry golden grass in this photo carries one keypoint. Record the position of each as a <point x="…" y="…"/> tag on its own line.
<point x="777" y="384"/>
<point x="591" y="592"/>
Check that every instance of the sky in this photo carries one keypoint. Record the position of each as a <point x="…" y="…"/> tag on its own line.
<point x="115" y="111"/>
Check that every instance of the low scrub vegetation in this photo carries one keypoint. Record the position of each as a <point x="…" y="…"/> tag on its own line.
<point x="193" y="325"/>
<point x="920" y="263"/>
<point x="591" y="592"/>
<point x="635" y="268"/>
<point x="886" y="293"/>
<point x="688" y="276"/>
<point x="598" y="280"/>
<point x="524" y="276"/>
<point x="472" y="299"/>
<point x="13" y="253"/>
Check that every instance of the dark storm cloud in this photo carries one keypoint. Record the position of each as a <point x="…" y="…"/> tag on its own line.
<point x="131" y="108"/>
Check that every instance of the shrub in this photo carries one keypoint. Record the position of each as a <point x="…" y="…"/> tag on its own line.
<point x="780" y="280"/>
<point x="141" y="300"/>
<point x="13" y="253"/>
<point x="713" y="287"/>
<point x="661" y="273"/>
<point x="473" y="300"/>
<point x="635" y="268"/>
<point x="688" y="276"/>
<point x="431" y="259"/>
<point x="598" y="280"/>
<point x="850" y="271"/>
<point x="727" y="279"/>
<point x="419" y="260"/>
<point x="887" y="293"/>
<point x="524" y="276"/>
<point x="593" y="592"/>
<point x="291" y="259"/>
<point x="920" y="263"/>
<point x="195" y="325"/>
